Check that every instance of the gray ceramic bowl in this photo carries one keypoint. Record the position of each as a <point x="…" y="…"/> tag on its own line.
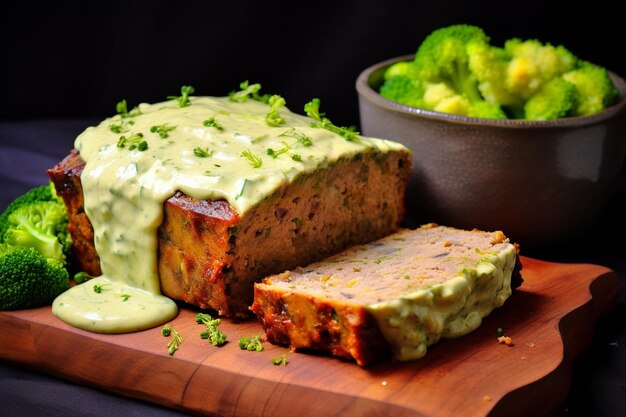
<point x="539" y="182"/>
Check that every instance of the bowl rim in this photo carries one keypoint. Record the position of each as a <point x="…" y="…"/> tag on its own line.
<point x="365" y="90"/>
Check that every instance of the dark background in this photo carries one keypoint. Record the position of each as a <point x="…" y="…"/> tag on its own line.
<point x="63" y="66"/>
<point x="76" y="60"/>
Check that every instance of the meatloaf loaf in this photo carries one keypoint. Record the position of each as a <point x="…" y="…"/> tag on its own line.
<point x="210" y="251"/>
<point x="393" y="297"/>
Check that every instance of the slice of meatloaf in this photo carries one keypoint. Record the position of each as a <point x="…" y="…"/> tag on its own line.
<point x="210" y="256"/>
<point x="392" y="297"/>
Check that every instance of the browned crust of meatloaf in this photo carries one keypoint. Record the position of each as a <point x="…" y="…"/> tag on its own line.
<point x="345" y="330"/>
<point x="210" y="257"/>
<point x="194" y="251"/>
<point x="66" y="178"/>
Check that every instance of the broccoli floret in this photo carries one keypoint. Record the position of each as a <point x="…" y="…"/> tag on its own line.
<point x="439" y="97"/>
<point x="534" y="63"/>
<point x="443" y="57"/>
<point x="486" y="109"/>
<point x="39" y="193"/>
<point x="512" y="75"/>
<point x="28" y="279"/>
<point x="556" y="99"/>
<point x="595" y="89"/>
<point x="439" y="78"/>
<point x="401" y="69"/>
<point x="41" y="225"/>
<point x="435" y="93"/>
<point x="404" y="90"/>
<point x="38" y="218"/>
<point x="489" y="63"/>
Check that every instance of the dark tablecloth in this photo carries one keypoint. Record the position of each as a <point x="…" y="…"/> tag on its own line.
<point x="598" y="388"/>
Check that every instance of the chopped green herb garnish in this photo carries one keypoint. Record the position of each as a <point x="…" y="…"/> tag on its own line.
<point x="125" y="122"/>
<point x="175" y="341"/>
<point x="162" y="130"/>
<point x="273" y="118"/>
<point x="97" y="288"/>
<point x="303" y="139"/>
<point x="125" y="297"/>
<point x="296" y="157"/>
<point x="202" y="153"/>
<point x="281" y="360"/>
<point x="248" y="91"/>
<point x="212" y="122"/>
<point x="81" y="277"/>
<point x="251" y="343"/>
<point x="122" y="109"/>
<point x="274" y="154"/>
<point x="206" y="319"/>
<point x="212" y="333"/>
<point x="254" y="160"/>
<point x="134" y="141"/>
<point x="115" y="128"/>
<point x="183" y="99"/>
<point x="312" y="110"/>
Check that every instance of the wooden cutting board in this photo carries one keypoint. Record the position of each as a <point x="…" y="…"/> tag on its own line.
<point x="550" y="320"/>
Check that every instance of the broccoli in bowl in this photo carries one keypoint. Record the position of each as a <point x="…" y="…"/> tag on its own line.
<point x="457" y="70"/>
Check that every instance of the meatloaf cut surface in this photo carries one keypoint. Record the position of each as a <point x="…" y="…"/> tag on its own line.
<point x="210" y="256"/>
<point x="393" y="297"/>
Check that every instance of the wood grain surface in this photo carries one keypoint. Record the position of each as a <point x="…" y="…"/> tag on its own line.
<point x="550" y="320"/>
